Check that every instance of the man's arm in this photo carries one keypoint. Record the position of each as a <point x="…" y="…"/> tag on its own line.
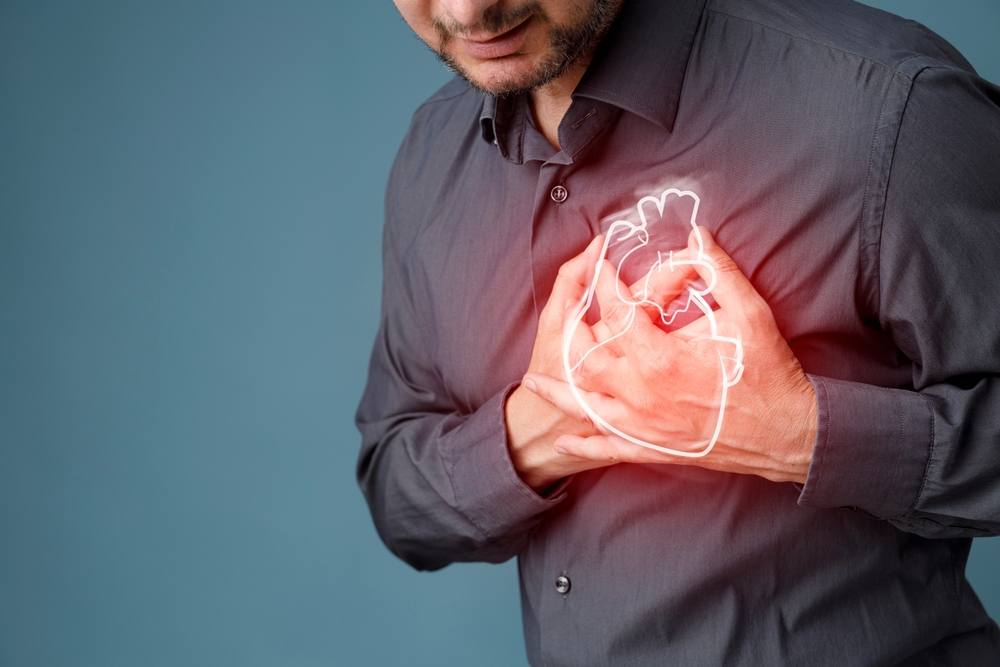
<point x="438" y="473"/>
<point x="928" y="460"/>
<point x="438" y="479"/>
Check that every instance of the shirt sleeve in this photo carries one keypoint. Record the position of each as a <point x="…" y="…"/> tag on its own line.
<point x="437" y="477"/>
<point x="927" y="458"/>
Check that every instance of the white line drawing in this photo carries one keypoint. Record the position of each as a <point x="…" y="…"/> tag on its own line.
<point x="695" y="296"/>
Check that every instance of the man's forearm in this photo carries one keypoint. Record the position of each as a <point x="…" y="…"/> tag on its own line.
<point x="533" y="425"/>
<point x="441" y="487"/>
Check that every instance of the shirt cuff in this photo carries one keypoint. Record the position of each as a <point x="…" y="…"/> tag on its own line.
<point x="486" y="483"/>
<point x="872" y="448"/>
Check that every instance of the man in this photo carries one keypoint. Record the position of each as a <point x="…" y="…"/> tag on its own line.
<point x="846" y="164"/>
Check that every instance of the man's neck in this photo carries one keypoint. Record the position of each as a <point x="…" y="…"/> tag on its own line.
<point x="551" y="102"/>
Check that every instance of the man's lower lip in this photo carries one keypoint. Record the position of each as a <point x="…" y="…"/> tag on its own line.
<point x="498" y="47"/>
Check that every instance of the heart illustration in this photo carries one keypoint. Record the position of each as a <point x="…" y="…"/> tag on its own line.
<point x="631" y="249"/>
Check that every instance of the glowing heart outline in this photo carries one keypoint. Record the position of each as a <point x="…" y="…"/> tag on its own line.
<point x="695" y="296"/>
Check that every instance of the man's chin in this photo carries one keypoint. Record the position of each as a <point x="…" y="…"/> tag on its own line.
<point x="511" y="75"/>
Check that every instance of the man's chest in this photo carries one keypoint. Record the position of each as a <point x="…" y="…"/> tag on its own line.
<point x="487" y="256"/>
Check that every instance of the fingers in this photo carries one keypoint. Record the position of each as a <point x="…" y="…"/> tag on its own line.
<point x="557" y="393"/>
<point x="601" y="331"/>
<point x="618" y="312"/>
<point x="561" y="395"/>
<point x="592" y="354"/>
<point x="696" y="330"/>
<point x="665" y="280"/>
<point x="608" y="449"/>
<point x="572" y="282"/>
<point x="595" y="346"/>
<point x="585" y="356"/>
<point x="632" y="328"/>
<point x="733" y="292"/>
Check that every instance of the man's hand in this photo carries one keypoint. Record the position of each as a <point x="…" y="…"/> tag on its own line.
<point x="662" y="386"/>
<point x="533" y="424"/>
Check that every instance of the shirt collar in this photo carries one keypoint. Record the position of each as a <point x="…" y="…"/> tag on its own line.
<point x="640" y="64"/>
<point x="639" y="67"/>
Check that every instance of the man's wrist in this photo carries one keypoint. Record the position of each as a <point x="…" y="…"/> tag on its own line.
<point x="530" y="421"/>
<point x="803" y="429"/>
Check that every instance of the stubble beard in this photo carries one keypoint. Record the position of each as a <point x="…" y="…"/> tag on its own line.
<point x="568" y="44"/>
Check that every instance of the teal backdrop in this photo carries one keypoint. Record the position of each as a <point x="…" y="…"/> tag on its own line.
<point x="190" y="220"/>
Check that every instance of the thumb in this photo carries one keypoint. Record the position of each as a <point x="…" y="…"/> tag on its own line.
<point x="571" y="283"/>
<point x="729" y="287"/>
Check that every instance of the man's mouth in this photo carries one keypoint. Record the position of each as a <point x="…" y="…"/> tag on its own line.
<point x="504" y="44"/>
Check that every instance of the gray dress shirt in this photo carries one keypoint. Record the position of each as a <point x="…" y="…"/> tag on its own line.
<point x="849" y="162"/>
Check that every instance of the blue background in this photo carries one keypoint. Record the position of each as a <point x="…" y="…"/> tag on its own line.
<point x="190" y="219"/>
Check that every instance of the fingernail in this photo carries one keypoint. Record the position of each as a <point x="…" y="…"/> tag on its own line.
<point x="530" y="386"/>
<point x="560" y="450"/>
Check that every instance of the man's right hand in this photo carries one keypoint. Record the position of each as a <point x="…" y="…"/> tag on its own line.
<point x="533" y="424"/>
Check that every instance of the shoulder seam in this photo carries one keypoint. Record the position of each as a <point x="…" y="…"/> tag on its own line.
<point x="893" y="68"/>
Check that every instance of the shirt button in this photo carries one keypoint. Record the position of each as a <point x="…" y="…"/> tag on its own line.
<point x="559" y="194"/>
<point x="562" y="584"/>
